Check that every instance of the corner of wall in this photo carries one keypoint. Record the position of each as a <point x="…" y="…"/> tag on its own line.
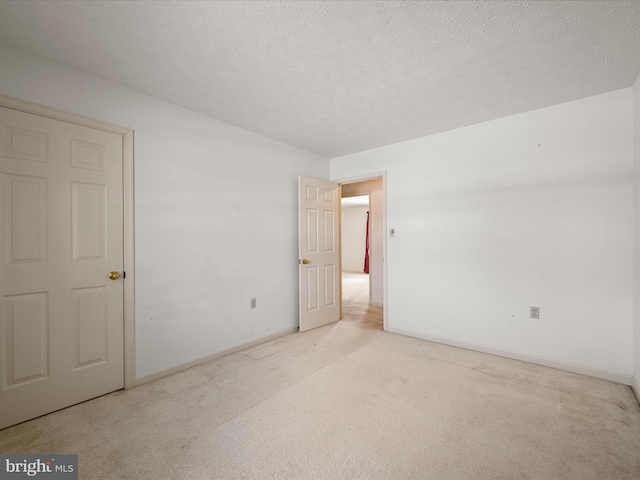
<point x="636" y="239"/>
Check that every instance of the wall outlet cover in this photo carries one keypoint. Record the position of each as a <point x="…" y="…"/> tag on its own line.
<point x="534" y="312"/>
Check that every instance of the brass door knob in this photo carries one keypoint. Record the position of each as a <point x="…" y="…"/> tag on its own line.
<point x="305" y="261"/>
<point x="114" y="275"/>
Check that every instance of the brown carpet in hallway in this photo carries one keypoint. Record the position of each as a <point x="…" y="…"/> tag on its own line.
<point x="349" y="401"/>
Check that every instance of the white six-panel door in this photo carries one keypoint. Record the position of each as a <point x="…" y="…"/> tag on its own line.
<point x="61" y="331"/>
<point x="319" y="252"/>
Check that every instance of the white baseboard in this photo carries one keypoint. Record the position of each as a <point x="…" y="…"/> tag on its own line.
<point x="569" y="367"/>
<point x="208" y="358"/>
<point x="636" y="388"/>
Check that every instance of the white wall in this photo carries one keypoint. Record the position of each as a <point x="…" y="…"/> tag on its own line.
<point x="636" y="289"/>
<point x="215" y="215"/>
<point x="354" y="231"/>
<point x="529" y="210"/>
<point x="372" y="187"/>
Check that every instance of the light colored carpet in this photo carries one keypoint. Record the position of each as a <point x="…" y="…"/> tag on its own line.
<point x="350" y="401"/>
<point x="355" y="301"/>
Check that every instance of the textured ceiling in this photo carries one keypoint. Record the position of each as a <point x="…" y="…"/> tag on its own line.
<point x="340" y="77"/>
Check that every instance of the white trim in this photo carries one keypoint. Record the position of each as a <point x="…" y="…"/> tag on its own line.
<point x="339" y="251"/>
<point x="129" y="262"/>
<point x="128" y="195"/>
<point x="569" y="367"/>
<point x="54" y="114"/>
<point x="208" y="358"/>
<point x="363" y="178"/>
<point x="636" y="388"/>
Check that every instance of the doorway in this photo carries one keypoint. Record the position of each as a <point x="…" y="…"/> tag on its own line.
<point x="362" y="247"/>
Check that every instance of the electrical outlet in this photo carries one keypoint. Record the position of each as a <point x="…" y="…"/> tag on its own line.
<point x="534" y="312"/>
<point x="253" y="303"/>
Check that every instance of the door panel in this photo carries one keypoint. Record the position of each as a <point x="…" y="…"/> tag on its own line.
<point x="26" y="215"/>
<point x="319" y="252"/>
<point x="62" y="218"/>
<point x="88" y="221"/>
<point x="26" y="346"/>
<point x="89" y="326"/>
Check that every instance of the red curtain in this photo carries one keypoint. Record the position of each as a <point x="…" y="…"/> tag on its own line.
<point x="366" y="249"/>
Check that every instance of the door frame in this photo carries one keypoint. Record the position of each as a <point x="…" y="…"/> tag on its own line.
<point x="128" y="213"/>
<point x="363" y="178"/>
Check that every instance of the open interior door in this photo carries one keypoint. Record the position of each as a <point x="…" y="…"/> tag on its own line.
<point x="319" y="252"/>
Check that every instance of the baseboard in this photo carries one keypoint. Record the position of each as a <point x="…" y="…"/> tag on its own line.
<point x="568" y="367"/>
<point x="636" y="388"/>
<point x="208" y="358"/>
